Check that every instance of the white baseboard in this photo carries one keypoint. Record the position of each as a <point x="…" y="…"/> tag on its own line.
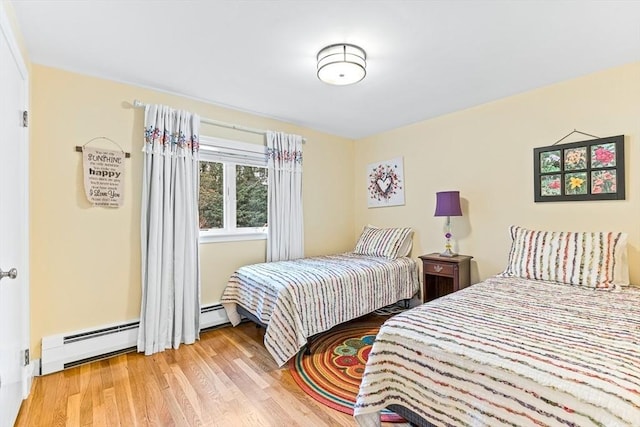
<point x="64" y="350"/>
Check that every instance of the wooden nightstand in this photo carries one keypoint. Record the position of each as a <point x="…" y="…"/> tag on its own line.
<point x="443" y="275"/>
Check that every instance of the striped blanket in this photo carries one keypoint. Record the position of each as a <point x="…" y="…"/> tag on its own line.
<point x="510" y="352"/>
<point x="300" y="298"/>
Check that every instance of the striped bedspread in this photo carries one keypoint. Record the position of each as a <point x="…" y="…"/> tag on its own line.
<point x="300" y="298"/>
<point x="510" y="352"/>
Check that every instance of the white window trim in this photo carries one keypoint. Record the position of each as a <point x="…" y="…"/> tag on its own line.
<point x="230" y="233"/>
<point x="210" y="236"/>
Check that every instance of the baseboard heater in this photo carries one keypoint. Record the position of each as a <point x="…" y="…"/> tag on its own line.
<point x="67" y="350"/>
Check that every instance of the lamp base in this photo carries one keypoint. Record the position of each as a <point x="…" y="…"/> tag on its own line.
<point x="448" y="253"/>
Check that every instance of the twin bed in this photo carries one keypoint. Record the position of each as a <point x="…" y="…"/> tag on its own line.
<point x="509" y="351"/>
<point x="554" y="340"/>
<point x="298" y="299"/>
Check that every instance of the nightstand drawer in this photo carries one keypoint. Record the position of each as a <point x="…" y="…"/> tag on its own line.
<point x="437" y="268"/>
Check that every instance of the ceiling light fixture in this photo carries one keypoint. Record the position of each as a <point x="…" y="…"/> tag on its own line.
<point x="342" y="64"/>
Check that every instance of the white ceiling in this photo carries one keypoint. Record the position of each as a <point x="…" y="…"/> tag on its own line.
<point x="425" y="58"/>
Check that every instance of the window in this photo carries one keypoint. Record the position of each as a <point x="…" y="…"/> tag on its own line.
<point x="233" y="190"/>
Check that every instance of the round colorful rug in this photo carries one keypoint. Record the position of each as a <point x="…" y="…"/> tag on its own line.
<point x="333" y="372"/>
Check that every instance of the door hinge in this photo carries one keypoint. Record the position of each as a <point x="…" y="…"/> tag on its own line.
<point x="26" y="357"/>
<point x="25" y="119"/>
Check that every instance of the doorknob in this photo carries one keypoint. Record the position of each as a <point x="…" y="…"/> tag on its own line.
<point x="11" y="274"/>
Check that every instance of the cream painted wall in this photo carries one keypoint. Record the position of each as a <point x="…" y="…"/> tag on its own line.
<point x="85" y="261"/>
<point x="487" y="154"/>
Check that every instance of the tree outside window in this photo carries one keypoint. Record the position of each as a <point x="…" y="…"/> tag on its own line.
<point x="247" y="185"/>
<point x="251" y="196"/>
<point x="211" y="204"/>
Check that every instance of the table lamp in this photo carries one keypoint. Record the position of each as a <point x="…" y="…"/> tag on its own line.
<point x="448" y="204"/>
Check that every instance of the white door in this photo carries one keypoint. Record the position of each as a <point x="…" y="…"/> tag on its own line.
<point x="15" y="379"/>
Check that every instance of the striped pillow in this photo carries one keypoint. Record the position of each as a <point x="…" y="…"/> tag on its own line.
<point x="382" y="242"/>
<point x="591" y="259"/>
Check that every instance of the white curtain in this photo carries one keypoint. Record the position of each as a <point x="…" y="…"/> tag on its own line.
<point x="170" y="312"/>
<point x="285" y="238"/>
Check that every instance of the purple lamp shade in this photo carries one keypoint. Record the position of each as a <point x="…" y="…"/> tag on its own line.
<point x="448" y="203"/>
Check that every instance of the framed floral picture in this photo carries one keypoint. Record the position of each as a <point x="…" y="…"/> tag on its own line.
<point x="385" y="183"/>
<point x="585" y="170"/>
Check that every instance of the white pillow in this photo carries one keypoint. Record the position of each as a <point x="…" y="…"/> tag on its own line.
<point x="592" y="259"/>
<point x="405" y="247"/>
<point x="384" y="242"/>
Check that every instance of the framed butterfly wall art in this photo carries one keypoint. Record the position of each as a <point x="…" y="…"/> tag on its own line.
<point x="385" y="183"/>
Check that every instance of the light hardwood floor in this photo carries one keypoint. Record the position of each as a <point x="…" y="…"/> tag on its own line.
<point x="227" y="378"/>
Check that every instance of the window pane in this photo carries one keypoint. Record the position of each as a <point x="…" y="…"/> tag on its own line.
<point x="211" y="207"/>
<point x="251" y="196"/>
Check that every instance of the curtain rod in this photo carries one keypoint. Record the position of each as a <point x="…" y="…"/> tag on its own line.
<point x="140" y="104"/>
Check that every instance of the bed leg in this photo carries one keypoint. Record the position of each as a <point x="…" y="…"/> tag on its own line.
<point x="307" y="350"/>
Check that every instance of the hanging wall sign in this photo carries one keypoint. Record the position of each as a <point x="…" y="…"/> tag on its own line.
<point x="103" y="176"/>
